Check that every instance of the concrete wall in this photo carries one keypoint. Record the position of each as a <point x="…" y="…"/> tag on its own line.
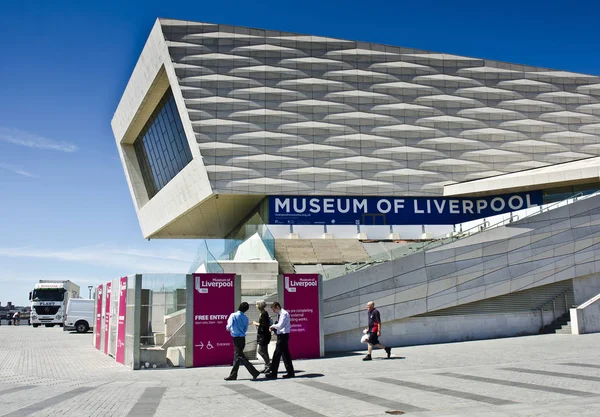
<point x="161" y="303"/>
<point x="173" y="322"/>
<point x="586" y="317"/>
<point x="258" y="277"/>
<point x="557" y="245"/>
<point x="159" y="299"/>
<point x="585" y="288"/>
<point x="427" y="330"/>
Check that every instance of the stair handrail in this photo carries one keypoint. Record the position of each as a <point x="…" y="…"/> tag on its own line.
<point x="562" y="293"/>
<point x="548" y="207"/>
<point x="552" y="300"/>
<point x="576" y="197"/>
<point x="430" y="244"/>
<point x="478" y="228"/>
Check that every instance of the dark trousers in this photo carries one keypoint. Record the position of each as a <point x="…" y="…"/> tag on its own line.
<point x="263" y="351"/>
<point x="239" y="343"/>
<point x="282" y="350"/>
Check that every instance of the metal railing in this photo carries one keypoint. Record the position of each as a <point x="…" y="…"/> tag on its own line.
<point x="564" y="296"/>
<point x="410" y="248"/>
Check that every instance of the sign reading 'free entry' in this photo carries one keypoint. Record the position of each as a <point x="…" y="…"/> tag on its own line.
<point x="394" y="210"/>
<point x="214" y="301"/>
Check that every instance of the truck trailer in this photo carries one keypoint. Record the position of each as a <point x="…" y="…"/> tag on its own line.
<point x="49" y="300"/>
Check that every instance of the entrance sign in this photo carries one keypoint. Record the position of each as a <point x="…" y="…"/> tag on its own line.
<point x="394" y="210"/>
<point x="98" y="326"/>
<point x="214" y="300"/>
<point x="120" y="352"/>
<point x="302" y="299"/>
<point x="107" y="316"/>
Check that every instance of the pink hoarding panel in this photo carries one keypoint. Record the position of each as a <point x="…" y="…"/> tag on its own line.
<point x="120" y="353"/>
<point x="301" y="300"/>
<point x="214" y="301"/>
<point x="107" y="316"/>
<point x="98" y="327"/>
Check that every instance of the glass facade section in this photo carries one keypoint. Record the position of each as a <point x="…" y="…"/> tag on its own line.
<point x="161" y="148"/>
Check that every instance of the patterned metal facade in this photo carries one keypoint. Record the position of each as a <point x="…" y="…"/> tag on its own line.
<point x="283" y="113"/>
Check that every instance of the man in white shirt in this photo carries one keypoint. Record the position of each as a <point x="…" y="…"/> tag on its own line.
<point x="282" y="327"/>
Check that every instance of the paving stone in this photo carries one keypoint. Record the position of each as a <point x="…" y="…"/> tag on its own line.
<point x="46" y="372"/>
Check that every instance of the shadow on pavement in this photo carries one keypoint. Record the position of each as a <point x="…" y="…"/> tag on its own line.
<point x="309" y="376"/>
<point x="299" y="375"/>
<point x="341" y="354"/>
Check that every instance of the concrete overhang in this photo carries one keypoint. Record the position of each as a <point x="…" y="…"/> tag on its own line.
<point x="187" y="206"/>
<point x="586" y="171"/>
<point x="214" y="217"/>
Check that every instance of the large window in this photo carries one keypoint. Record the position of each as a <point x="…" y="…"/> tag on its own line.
<point x="161" y="148"/>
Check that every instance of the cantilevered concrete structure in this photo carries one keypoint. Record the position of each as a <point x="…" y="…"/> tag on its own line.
<point x="276" y="113"/>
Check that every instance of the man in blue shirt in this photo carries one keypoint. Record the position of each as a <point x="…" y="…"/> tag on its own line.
<point x="237" y="325"/>
<point x="282" y="349"/>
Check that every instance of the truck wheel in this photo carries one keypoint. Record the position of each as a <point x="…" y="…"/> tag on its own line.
<point x="81" y="326"/>
<point x="35" y="325"/>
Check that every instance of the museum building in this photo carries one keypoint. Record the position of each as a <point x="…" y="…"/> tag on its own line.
<point x="458" y="193"/>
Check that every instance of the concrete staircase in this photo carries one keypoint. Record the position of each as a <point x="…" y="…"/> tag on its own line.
<point x="561" y="325"/>
<point x="290" y="252"/>
<point x="564" y="329"/>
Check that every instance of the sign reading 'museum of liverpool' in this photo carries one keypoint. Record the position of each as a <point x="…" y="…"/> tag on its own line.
<point x="394" y="210"/>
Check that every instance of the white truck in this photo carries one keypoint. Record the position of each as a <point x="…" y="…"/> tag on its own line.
<point x="49" y="300"/>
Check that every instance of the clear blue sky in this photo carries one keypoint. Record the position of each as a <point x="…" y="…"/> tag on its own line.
<point x="65" y="209"/>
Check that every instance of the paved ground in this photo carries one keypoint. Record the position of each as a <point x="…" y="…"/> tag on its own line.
<point x="48" y="372"/>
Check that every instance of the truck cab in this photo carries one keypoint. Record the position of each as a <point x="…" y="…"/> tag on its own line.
<point x="49" y="300"/>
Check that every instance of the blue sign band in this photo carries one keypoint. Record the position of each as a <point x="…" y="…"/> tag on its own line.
<point x="394" y="210"/>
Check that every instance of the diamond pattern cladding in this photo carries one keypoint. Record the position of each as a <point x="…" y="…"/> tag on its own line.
<point x="276" y="112"/>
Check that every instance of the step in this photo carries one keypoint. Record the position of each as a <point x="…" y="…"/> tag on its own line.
<point x="564" y="329"/>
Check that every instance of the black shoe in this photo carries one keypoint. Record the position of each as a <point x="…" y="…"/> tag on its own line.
<point x="270" y="376"/>
<point x="288" y="376"/>
<point x="388" y="350"/>
<point x="367" y="358"/>
<point x="255" y="375"/>
<point x="230" y="378"/>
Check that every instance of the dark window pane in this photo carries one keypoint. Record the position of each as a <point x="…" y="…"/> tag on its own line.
<point x="161" y="148"/>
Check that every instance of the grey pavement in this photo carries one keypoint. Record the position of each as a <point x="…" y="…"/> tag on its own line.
<point x="48" y="372"/>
